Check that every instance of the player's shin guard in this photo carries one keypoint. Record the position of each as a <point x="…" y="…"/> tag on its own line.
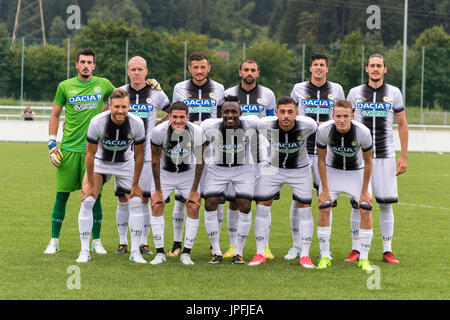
<point x="295" y="223"/>
<point x="261" y="227"/>
<point x="307" y="229"/>
<point x="386" y="225"/>
<point x="191" y="232"/>
<point x="323" y="234"/>
<point x="59" y="212"/>
<point x="147" y="213"/>
<point x="122" y="218"/>
<point x="232" y="221"/>
<point x="355" y="221"/>
<point x="212" y="228"/>
<point x="98" y="217"/>
<point x="365" y="238"/>
<point x="85" y="222"/>
<point x="136" y="222"/>
<point x="245" y="223"/>
<point x="158" y="225"/>
<point x="179" y="214"/>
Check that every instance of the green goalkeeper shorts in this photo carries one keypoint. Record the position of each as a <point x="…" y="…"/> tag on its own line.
<point x="69" y="176"/>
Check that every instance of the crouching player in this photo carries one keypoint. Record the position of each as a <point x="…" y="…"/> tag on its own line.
<point x="344" y="149"/>
<point x="175" y="144"/>
<point x="110" y="137"/>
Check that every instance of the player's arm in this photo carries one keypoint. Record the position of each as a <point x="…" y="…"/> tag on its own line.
<point x="157" y="197"/>
<point x="88" y="188"/>
<point x="136" y="190"/>
<point x="321" y="164"/>
<point x="54" y="154"/>
<point x="365" y="195"/>
<point x="194" y="196"/>
<point x="403" y="135"/>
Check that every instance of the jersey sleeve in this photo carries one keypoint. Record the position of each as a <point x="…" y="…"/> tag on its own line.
<point x="310" y="126"/>
<point x="109" y="88"/>
<point x="321" y="137"/>
<point x="340" y="93"/>
<point x="163" y="102"/>
<point x="398" y="101"/>
<point x="351" y="97"/>
<point x="93" y="134"/>
<point x="366" y="140"/>
<point x="176" y="94"/>
<point x="139" y="136"/>
<point x="60" y="96"/>
<point x="270" y="111"/>
<point x="156" y="136"/>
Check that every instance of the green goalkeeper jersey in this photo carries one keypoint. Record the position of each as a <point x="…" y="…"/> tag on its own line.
<point x="82" y="100"/>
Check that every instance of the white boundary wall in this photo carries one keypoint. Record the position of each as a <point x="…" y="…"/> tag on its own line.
<point x="420" y="140"/>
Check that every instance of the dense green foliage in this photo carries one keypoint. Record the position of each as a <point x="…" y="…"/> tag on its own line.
<point x="273" y="32"/>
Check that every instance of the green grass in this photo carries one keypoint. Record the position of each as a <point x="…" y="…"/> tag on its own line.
<point x="26" y="200"/>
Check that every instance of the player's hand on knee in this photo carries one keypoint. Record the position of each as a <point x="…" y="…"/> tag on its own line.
<point x="193" y="199"/>
<point x="86" y="191"/>
<point x="157" y="200"/>
<point x="365" y="201"/>
<point x="153" y="84"/>
<point x="325" y="201"/>
<point x="136" y="191"/>
<point x="54" y="154"/>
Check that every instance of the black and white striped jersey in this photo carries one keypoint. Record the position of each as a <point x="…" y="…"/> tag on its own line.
<point x="287" y="149"/>
<point x="316" y="103"/>
<point x="114" y="142"/>
<point x="230" y="147"/>
<point x="375" y="108"/>
<point x="145" y="103"/>
<point x="178" y="148"/>
<point x="203" y="102"/>
<point x="260" y="101"/>
<point x="344" y="151"/>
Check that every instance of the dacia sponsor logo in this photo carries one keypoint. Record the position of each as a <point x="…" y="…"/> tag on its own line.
<point x="177" y="152"/>
<point x="200" y="102"/>
<point x="288" y="147"/>
<point x="373" y="106"/>
<point x="317" y="103"/>
<point x="345" y="151"/>
<point x="232" y="148"/>
<point x="252" y="108"/>
<point x="141" y="107"/>
<point x="86" y="98"/>
<point x="115" y="145"/>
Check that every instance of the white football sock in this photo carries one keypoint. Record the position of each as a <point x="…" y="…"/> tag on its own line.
<point x="355" y="221"/>
<point x="220" y="216"/>
<point x="323" y="234"/>
<point x="232" y="220"/>
<point x="365" y="238"/>
<point x="122" y="217"/>
<point x="179" y="215"/>
<point x="158" y="224"/>
<point x="85" y="222"/>
<point x="147" y="213"/>
<point x="268" y="230"/>
<point x="191" y="232"/>
<point x="307" y="229"/>
<point x="386" y="225"/>
<point x="261" y="227"/>
<point x="295" y="225"/>
<point x="212" y="228"/>
<point x="136" y="222"/>
<point x="245" y="223"/>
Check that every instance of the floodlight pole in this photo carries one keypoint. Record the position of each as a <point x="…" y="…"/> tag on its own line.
<point x="405" y="35"/>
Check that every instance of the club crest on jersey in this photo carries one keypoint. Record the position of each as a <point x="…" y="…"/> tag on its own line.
<point x="330" y="97"/>
<point x="86" y="98"/>
<point x="97" y="89"/>
<point x="259" y="101"/>
<point x="114" y="145"/>
<point x="149" y="100"/>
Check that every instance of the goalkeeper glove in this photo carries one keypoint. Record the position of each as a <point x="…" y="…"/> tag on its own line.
<point x="153" y="84"/>
<point x="53" y="153"/>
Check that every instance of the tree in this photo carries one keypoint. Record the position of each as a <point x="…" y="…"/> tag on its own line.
<point x="58" y="29"/>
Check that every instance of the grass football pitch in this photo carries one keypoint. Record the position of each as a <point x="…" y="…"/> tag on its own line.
<point x="27" y="192"/>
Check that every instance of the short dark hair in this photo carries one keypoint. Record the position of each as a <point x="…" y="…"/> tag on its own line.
<point x="317" y="56"/>
<point x="231" y="98"/>
<point x="377" y="55"/>
<point x="118" y="94"/>
<point x="198" y="56"/>
<point x="285" y="100"/>
<point x="343" y="103"/>
<point x="85" y="52"/>
<point x="248" y="61"/>
<point x="179" y="105"/>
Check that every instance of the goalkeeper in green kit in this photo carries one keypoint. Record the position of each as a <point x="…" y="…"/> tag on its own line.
<point x="83" y="97"/>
